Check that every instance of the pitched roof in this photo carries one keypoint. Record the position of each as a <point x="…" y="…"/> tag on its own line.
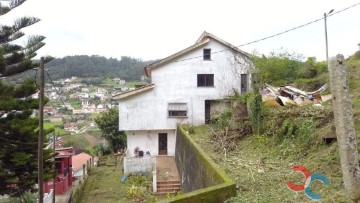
<point x="79" y="160"/>
<point x="133" y="92"/>
<point x="64" y="152"/>
<point x="206" y="35"/>
<point x="203" y="39"/>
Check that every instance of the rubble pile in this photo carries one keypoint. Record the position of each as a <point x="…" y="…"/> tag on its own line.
<point x="289" y="95"/>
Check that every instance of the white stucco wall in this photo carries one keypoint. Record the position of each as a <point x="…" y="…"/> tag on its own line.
<point x="147" y="140"/>
<point x="177" y="83"/>
<point x="80" y="172"/>
<point x="136" y="165"/>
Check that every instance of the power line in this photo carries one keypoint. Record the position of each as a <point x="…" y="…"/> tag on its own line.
<point x="52" y="82"/>
<point x="274" y="35"/>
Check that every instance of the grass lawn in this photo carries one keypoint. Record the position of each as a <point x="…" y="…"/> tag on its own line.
<point x="133" y="83"/>
<point x="104" y="185"/>
<point x="75" y="103"/>
<point x="48" y="125"/>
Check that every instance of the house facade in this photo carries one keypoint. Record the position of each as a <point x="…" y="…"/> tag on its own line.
<point x="185" y="88"/>
<point x="64" y="177"/>
<point x="78" y="162"/>
<point x="71" y="127"/>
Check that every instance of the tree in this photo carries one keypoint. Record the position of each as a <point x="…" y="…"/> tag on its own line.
<point x="312" y="68"/>
<point x="18" y="130"/>
<point x="108" y="123"/>
<point x="127" y="68"/>
<point x="279" y="67"/>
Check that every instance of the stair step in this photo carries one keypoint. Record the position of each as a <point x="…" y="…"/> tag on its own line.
<point x="165" y="193"/>
<point x="168" y="189"/>
<point x="168" y="186"/>
<point x="169" y="182"/>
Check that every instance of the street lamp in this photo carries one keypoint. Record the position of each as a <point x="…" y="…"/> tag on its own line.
<point x="326" y="40"/>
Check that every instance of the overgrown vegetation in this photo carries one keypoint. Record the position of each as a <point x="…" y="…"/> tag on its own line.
<point x="262" y="163"/>
<point x="104" y="185"/>
<point x="108" y="123"/>
<point x="140" y="189"/>
<point x="282" y="67"/>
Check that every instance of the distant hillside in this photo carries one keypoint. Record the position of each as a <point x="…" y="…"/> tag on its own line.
<point x="127" y="68"/>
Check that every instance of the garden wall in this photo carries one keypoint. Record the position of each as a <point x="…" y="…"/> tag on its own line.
<point x="202" y="179"/>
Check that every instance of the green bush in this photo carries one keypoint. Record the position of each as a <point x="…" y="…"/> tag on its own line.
<point x="255" y="104"/>
<point x="26" y="198"/>
<point x="140" y="188"/>
<point x="223" y="120"/>
<point x="138" y="180"/>
<point x="357" y="55"/>
<point x="137" y="193"/>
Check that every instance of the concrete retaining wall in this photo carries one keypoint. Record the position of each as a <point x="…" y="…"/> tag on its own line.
<point x="202" y="179"/>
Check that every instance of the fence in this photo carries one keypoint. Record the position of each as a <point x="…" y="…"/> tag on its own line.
<point x="139" y="164"/>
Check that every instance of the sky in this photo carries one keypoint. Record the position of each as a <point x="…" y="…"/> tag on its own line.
<point x="154" y="29"/>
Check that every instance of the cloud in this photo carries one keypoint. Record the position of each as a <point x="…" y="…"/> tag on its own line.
<point x="155" y="29"/>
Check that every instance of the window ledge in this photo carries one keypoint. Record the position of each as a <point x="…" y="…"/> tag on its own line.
<point x="177" y="117"/>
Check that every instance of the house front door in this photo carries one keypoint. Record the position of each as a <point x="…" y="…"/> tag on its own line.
<point x="162" y="143"/>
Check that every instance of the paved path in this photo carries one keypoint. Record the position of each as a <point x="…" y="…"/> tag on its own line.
<point x="63" y="198"/>
<point x="166" y="169"/>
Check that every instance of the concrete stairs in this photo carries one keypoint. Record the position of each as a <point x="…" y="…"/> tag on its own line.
<point x="168" y="187"/>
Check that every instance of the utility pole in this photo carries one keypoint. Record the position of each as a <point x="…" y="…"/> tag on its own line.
<point x="326" y="39"/>
<point x="54" y="168"/>
<point x="41" y="132"/>
<point x="345" y="128"/>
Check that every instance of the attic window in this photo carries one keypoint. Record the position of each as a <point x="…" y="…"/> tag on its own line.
<point x="207" y="54"/>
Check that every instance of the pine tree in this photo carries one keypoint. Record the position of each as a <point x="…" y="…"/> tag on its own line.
<point x="18" y="129"/>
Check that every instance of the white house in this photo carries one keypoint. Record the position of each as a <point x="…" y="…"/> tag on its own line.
<point x="71" y="127"/>
<point x="185" y="87"/>
<point x="78" y="162"/>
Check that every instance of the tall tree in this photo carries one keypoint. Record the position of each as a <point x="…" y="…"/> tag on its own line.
<point x="108" y="123"/>
<point x="18" y="130"/>
<point x="279" y="67"/>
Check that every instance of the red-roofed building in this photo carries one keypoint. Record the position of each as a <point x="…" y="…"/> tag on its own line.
<point x="63" y="166"/>
<point x="78" y="161"/>
<point x="71" y="127"/>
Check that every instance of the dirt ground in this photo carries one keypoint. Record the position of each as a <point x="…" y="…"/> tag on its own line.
<point x="91" y="138"/>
